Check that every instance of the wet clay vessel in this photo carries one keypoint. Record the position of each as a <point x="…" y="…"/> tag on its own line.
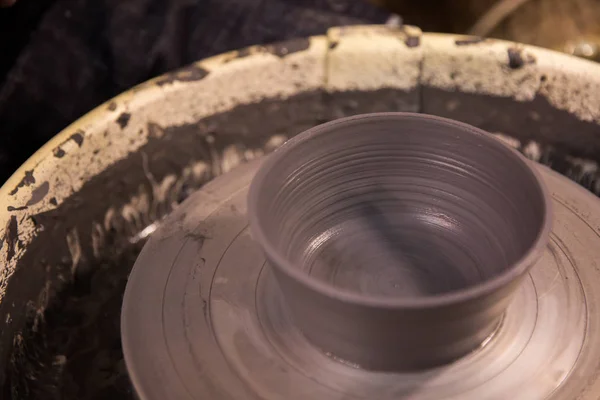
<point x="398" y="239"/>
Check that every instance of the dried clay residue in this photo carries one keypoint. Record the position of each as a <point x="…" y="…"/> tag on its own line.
<point x="39" y="193"/>
<point x="412" y="41"/>
<point x="27" y="180"/>
<point x="192" y="73"/>
<point x="13" y="208"/>
<point x="281" y="49"/>
<point x="123" y="119"/>
<point x="469" y="41"/>
<point x="11" y="238"/>
<point x="77" y="137"/>
<point x="58" y="152"/>
<point x="291" y="46"/>
<point x="516" y="58"/>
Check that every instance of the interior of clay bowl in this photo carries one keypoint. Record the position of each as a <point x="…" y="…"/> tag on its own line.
<point x="398" y="205"/>
<point x="75" y="216"/>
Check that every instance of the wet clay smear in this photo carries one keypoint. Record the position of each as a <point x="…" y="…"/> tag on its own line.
<point x="75" y="351"/>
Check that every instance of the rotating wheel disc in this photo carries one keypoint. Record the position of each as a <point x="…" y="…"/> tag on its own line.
<point x="204" y="318"/>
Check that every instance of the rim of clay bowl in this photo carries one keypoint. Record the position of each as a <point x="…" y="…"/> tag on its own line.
<point x="513" y="272"/>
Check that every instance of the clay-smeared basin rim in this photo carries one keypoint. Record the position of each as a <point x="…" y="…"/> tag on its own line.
<point x="506" y="277"/>
<point x="566" y="73"/>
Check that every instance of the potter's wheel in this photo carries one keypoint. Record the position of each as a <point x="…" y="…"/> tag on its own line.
<point x="204" y="319"/>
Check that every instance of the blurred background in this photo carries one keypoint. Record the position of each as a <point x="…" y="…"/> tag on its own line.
<point x="61" y="58"/>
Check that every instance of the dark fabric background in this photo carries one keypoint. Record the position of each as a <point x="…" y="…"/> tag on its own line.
<point x="61" y="58"/>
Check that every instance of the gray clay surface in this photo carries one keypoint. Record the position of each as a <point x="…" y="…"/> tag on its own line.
<point x="203" y="298"/>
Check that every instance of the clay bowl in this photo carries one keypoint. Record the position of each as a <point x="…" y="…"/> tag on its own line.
<point x="398" y="239"/>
